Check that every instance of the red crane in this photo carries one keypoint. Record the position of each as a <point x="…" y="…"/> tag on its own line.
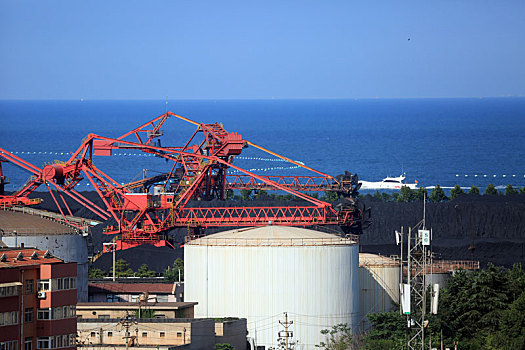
<point x="199" y="171"/>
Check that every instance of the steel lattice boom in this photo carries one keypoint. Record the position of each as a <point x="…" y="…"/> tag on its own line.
<point x="199" y="171"/>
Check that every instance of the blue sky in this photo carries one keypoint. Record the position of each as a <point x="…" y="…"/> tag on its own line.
<point x="261" y="49"/>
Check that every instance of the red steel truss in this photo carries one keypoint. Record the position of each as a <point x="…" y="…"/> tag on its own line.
<point x="199" y="172"/>
<point x="298" y="183"/>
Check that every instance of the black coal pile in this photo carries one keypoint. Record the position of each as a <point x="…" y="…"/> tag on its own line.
<point x="157" y="258"/>
<point x="493" y="225"/>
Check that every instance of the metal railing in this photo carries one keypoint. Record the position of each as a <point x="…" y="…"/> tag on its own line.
<point x="274" y="242"/>
<point x="441" y="266"/>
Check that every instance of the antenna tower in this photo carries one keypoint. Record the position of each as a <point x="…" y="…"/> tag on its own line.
<point x="414" y="284"/>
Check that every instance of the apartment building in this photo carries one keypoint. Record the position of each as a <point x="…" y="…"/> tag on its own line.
<point x="38" y="298"/>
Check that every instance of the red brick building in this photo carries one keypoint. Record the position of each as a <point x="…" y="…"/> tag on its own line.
<point x="38" y="298"/>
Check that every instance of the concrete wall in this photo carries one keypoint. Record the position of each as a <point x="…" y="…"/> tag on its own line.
<point x="110" y="332"/>
<point x="231" y="332"/>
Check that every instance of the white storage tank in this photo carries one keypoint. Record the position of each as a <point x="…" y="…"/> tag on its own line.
<point x="379" y="285"/>
<point x="260" y="273"/>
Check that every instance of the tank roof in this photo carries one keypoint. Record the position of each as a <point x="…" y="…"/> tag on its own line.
<point x="272" y="235"/>
<point x="367" y="259"/>
<point x="25" y="224"/>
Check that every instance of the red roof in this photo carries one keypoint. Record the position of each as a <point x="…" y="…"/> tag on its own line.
<point x="165" y="288"/>
<point x="11" y="257"/>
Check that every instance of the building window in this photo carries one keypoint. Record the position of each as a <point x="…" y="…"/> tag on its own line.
<point x="179" y="334"/>
<point x="65" y="340"/>
<point x="144" y="334"/>
<point x="29" y="286"/>
<point x="44" y="285"/>
<point x="134" y="298"/>
<point x="28" y="344"/>
<point x="28" y="315"/>
<point x="43" y="314"/>
<point x="103" y="316"/>
<point x="92" y="334"/>
<point x="162" y="334"/>
<point x="8" y="318"/>
<point x="9" y="345"/>
<point x="8" y="291"/>
<point x="162" y="298"/>
<point x="58" y="313"/>
<point x="58" y="341"/>
<point x="112" y="298"/>
<point x="43" y="343"/>
<point x="110" y="334"/>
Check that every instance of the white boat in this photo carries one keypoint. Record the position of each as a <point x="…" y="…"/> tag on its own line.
<point x="388" y="183"/>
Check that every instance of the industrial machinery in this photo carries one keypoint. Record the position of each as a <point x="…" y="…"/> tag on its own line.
<point x="143" y="211"/>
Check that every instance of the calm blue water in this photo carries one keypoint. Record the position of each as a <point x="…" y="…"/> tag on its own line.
<point x="435" y="141"/>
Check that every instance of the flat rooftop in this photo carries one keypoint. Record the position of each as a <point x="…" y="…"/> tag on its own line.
<point x="128" y="305"/>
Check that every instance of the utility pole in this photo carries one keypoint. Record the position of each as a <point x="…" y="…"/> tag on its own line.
<point x="286" y="333"/>
<point x="113" y="246"/>
<point x="126" y="323"/>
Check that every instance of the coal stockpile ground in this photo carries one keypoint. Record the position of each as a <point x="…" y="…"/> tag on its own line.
<point x="497" y="224"/>
<point x="494" y="225"/>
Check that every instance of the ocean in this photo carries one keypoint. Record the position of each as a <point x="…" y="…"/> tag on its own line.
<point x="434" y="141"/>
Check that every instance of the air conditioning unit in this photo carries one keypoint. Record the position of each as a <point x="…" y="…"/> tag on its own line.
<point x="41" y="295"/>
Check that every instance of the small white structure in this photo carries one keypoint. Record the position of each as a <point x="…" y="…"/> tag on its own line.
<point x="379" y="285"/>
<point x="260" y="273"/>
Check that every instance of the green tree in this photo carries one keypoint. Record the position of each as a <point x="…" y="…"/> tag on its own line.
<point x="421" y="193"/>
<point x="330" y="196"/>
<point x="473" y="190"/>
<point x="387" y="331"/>
<point x="122" y="269"/>
<point x="144" y="271"/>
<point x="437" y="195"/>
<point x="313" y="194"/>
<point x="385" y="197"/>
<point x="246" y="195"/>
<point x="395" y="196"/>
<point x="407" y="195"/>
<point x="223" y="346"/>
<point x="456" y="191"/>
<point x="172" y="273"/>
<point x="509" y="190"/>
<point x="512" y="324"/>
<point x="473" y="307"/>
<point x="491" y="190"/>
<point x="229" y="194"/>
<point x="96" y="273"/>
<point x="339" y="337"/>
<point x="522" y="190"/>
<point x="261" y="194"/>
<point x="144" y="313"/>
